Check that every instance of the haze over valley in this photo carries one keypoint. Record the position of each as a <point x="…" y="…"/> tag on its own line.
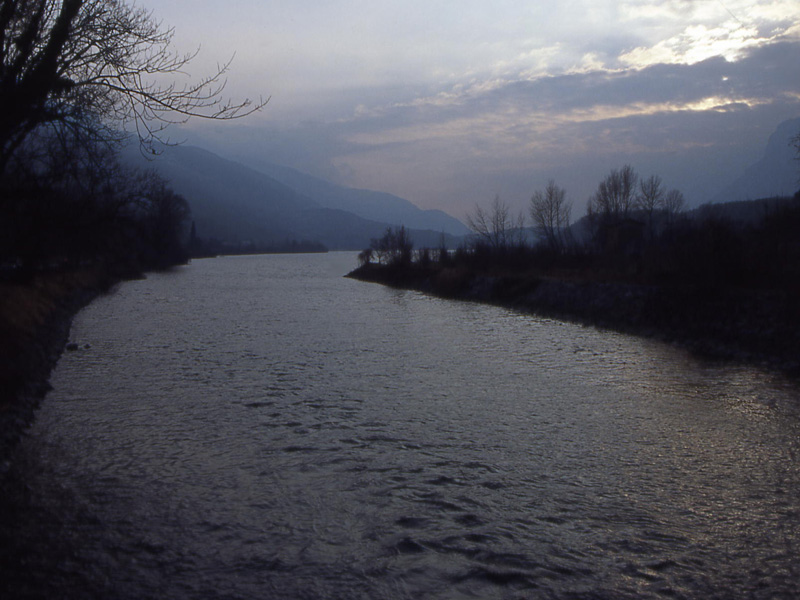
<point x="270" y="203"/>
<point x="235" y="203"/>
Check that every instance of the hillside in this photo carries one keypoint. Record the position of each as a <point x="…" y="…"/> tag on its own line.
<point x="776" y="174"/>
<point x="374" y="206"/>
<point x="228" y="200"/>
<point x="741" y="212"/>
<point x="235" y="203"/>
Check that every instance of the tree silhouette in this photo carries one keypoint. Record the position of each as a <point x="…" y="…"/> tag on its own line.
<point x="550" y="212"/>
<point x="650" y="200"/>
<point x="673" y="204"/>
<point x="495" y="226"/>
<point x="616" y="194"/>
<point x="394" y="247"/>
<point x="92" y="66"/>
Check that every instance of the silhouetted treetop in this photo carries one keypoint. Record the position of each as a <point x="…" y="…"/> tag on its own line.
<point x="495" y="226"/>
<point x="550" y="213"/>
<point x="616" y="195"/>
<point x="93" y="66"/>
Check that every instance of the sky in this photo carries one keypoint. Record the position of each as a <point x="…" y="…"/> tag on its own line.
<point x="448" y="103"/>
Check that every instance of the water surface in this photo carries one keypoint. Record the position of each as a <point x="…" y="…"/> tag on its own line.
<point x="261" y="427"/>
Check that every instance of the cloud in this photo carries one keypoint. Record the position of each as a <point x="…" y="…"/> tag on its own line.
<point x="500" y="127"/>
<point x="490" y="108"/>
<point x="304" y="54"/>
<point x="446" y="103"/>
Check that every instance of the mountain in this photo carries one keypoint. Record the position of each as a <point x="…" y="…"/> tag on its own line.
<point x="776" y="174"/>
<point x="235" y="203"/>
<point x="229" y="201"/>
<point x="374" y="206"/>
<point x="741" y="212"/>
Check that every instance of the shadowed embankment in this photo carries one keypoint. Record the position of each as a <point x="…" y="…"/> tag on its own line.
<point x="35" y="317"/>
<point x="751" y="326"/>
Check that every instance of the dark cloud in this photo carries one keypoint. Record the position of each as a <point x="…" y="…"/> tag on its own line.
<point x="509" y="137"/>
<point x="764" y="73"/>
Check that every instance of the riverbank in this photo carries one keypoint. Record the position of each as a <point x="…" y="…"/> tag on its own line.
<point x="38" y="540"/>
<point x="748" y="326"/>
<point x="35" y="318"/>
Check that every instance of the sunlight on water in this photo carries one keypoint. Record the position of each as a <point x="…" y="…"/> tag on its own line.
<point x="262" y="427"/>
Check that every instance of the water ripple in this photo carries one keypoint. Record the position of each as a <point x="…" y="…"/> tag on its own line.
<point x="324" y="438"/>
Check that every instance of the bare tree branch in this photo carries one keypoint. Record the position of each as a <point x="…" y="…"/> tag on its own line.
<point x="616" y="194"/>
<point x="495" y="226"/>
<point x="103" y="62"/>
<point x="550" y="213"/>
<point x="650" y="200"/>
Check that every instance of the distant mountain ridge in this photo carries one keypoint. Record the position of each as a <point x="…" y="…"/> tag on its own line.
<point x="368" y="204"/>
<point x="236" y="203"/>
<point x="776" y="174"/>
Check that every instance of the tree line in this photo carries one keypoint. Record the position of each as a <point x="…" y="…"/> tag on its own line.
<point x="635" y="229"/>
<point x="621" y="198"/>
<point x="79" y="78"/>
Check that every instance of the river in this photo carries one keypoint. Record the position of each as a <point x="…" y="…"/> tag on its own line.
<point x="261" y="427"/>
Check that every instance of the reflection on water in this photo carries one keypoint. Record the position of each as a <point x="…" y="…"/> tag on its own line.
<point x="260" y="427"/>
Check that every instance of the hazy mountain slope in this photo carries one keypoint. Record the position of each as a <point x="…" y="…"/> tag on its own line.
<point x="232" y="202"/>
<point x="743" y="212"/>
<point x="341" y="230"/>
<point x="776" y="174"/>
<point x="229" y="201"/>
<point x="375" y="206"/>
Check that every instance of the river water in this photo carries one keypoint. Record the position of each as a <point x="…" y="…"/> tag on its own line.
<point x="261" y="427"/>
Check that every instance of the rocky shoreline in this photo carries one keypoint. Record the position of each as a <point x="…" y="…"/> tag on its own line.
<point x="746" y="326"/>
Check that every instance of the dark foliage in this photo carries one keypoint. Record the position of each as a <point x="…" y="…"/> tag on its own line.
<point x="66" y="208"/>
<point x="74" y="75"/>
<point x="394" y="247"/>
<point x="205" y="248"/>
<point x="88" y="66"/>
<point x="721" y="287"/>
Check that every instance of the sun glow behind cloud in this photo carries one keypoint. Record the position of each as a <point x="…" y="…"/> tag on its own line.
<point x="308" y="55"/>
<point x="678" y="32"/>
<point x="543" y="122"/>
<point x="695" y="44"/>
<point x="499" y="124"/>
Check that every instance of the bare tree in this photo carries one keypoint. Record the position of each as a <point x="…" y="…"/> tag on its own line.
<point x="365" y="256"/>
<point x="592" y="222"/>
<point x="673" y="203"/>
<point x="442" y="253"/>
<point x="94" y="66"/>
<point x="650" y="200"/>
<point x="550" y="213"/>
<point x="495" y="226"/>
<point x="616" y="194"/>
<point x="394" y="247"/>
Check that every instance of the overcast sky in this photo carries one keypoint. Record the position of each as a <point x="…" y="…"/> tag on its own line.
<point x="449" y="103"/>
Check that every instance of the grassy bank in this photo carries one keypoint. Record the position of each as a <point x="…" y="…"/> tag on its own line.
<point x="35" y="317"/>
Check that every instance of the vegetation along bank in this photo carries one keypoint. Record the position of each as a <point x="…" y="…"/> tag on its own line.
<point x="723" y="286"/>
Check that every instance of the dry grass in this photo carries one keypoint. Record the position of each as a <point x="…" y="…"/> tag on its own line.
<point x="27" y="311"/>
